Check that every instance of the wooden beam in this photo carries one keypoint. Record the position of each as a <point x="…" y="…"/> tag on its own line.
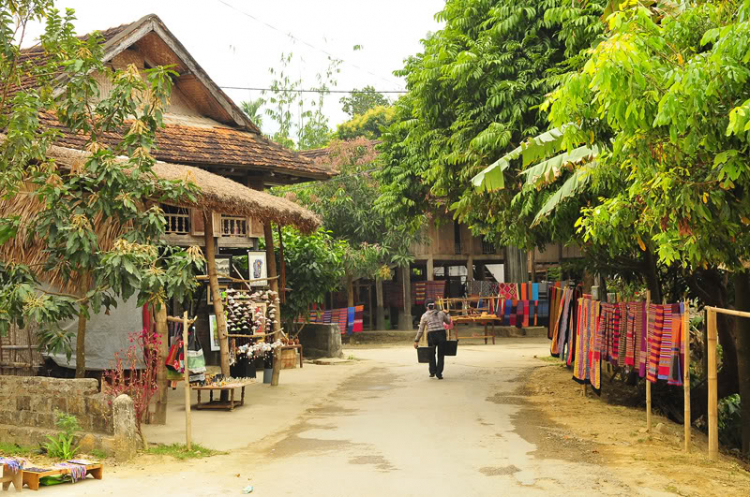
<point x="686" y="371"/>
<point x="282" y="274"/>
<point x="188" y="421"/>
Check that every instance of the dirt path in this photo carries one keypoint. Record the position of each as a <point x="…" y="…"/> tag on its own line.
<point x="381" y="426"/>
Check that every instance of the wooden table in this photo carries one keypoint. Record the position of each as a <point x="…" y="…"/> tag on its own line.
<point x="10" y="477"/>
<point x="228" y="405"/>
<point x="31" y="478"/>
<point x="487" y="320"/>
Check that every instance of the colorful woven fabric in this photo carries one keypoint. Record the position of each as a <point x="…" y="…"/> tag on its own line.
<point x="508" y="291"/>
<point x="587" y="369"/>
<point x="419" y="292"/>
<point x="563" y="337"/>
<point x="665" y="347"/>
<point x="340" y="317"/>
<point x="636" y="336"/>
<point x="655" y="332"/>
<point x="674" y="377"/>
<point x="555" y="318"/>
<point x="435" y="290"/>
<point x="524" y="292"/>
<point x="359" y="313"/>
<point x="535" y="291"/>
<point x="526" y="312"/>
<point x="534" y="313"/>
<point x="508" y="311"/>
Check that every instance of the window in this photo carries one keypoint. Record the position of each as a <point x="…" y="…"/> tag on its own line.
<point x="178" y="220"/>
<point x="488" y="247"/>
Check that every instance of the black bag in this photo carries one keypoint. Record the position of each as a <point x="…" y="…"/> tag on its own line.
<point x="451" y="347"/>
<point x="423" y="354"/>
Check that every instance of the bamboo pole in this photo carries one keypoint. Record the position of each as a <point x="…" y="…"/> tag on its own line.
<point x="160" y="414"/>
<point x="713" y="419"/>
<point x="686" y="371"/>
<point x="188" y="422"/>
<point x="648" y="383"/>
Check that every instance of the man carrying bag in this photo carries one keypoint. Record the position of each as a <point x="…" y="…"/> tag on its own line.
<point x="432" y="321"/>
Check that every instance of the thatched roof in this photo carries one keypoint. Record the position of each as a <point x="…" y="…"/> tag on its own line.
<point x="217" y="194"/>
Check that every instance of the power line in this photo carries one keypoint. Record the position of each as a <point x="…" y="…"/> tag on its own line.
<point x="256" y="19"/>
<point x="353" y="92"/>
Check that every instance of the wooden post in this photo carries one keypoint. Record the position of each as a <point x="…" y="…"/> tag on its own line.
<point x="405" y="320"/>
<point x="686" y="371"/>
<point x="282" y="273"/>
<point x="188" y="423"/>
<point x="648" y="383"/>
<point x="160" y="415"/>
<point x="713" y="418"/>
<point x="213" y="282"/>
<point x="274" y="284"/>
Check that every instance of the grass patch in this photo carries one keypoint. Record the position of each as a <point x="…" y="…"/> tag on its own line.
<point x="13" y="450"/>
<point x="99" y="454"/>
<point x="180" y="451"/>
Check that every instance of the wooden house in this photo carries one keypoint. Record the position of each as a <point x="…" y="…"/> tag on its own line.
<point x="207" y="138"/>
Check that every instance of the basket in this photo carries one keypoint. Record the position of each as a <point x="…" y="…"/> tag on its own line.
<point x="451" y="347"/>
<point x="289" y="359"/>
<point x="423" y="354"/>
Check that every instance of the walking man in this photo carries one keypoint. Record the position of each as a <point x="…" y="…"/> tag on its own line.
<point x="432" y="321"/>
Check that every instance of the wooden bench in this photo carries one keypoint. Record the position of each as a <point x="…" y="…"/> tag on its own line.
<point x="31" y="476"/>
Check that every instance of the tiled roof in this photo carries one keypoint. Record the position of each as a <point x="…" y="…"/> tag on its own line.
<point x="214" y="145"/>
<point x="206" y="146"/>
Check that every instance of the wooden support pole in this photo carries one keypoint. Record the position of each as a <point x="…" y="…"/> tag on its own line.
<point x="271" y="263"/>
<point x="713" y="404"/>
<point x="648" y="383"/>
<point x="80" y="347"/>
<point x="188" y="421"/>
<point x="686" y="371"/>
<point x="160" y="414"/>
<point x="282" y="273"/>
<point x="213" y="282"/>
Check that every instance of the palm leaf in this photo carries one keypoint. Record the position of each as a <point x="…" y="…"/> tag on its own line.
<point x="492" y="177"/>
<point x="550" y="169"/>
<point x="572" y="186"/>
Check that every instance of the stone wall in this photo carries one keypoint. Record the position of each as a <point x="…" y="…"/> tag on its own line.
<point x="28" y="406"/>
<point x="321" y="340"/>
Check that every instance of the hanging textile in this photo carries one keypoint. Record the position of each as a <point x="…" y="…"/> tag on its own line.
<point x="674" y="377"/>
<point x="520" y="312"/>
<point x="508" y="291"/>
<point x="419" y="292"/>
<point x="664" y="361"/>
<point x="526" y="313"/>
<point x="587" y="369"/>
<point x="435" y="290"/>
<point x="359" y="313"/>
<point x="655" y="332"/>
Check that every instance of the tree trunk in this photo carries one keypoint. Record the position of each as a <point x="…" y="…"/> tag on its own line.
<point x="652" y="276"/>
<point x="213" y="282"/>
<point x="742" y="301"/>
<point x="160" y="414"/>
<point x="405" y="322"/>
<point x="81" y="347"/>
<point x="349" y="290"/>
<point x="516" y="265"/>
<point x="379" y="309"/>
<point x="274" y="284"/>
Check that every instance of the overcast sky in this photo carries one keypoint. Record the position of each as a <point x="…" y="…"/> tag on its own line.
<point x="237" y="50"/>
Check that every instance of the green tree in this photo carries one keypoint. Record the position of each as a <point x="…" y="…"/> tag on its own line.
<point x="363" y="100"/>
<point x="95" y="266"/>
<point x="253" y="109"/>
<point x="662" y="104"/>
<point x="314" y="268"/>
<point x="370" y="124"/>
<point x="474" y="93"/>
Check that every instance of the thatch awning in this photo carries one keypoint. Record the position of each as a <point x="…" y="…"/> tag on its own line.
<point x="217" y="193"/>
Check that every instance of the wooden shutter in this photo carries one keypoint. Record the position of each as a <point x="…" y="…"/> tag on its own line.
<point x="196" y="222"/>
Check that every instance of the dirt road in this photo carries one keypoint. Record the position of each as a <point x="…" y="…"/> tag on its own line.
<point x="381" y="426"/>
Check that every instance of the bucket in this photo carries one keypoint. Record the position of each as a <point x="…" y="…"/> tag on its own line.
<point x="267" y="374"/>
<point x="423" y="354"/>
<point x="451" y="347"/>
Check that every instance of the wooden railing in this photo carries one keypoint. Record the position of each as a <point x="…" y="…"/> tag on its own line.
<point x="234" y="226"/>
<point x="177" y="224"/>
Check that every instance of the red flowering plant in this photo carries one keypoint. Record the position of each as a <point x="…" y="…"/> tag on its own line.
<point x="128" y="377"/>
